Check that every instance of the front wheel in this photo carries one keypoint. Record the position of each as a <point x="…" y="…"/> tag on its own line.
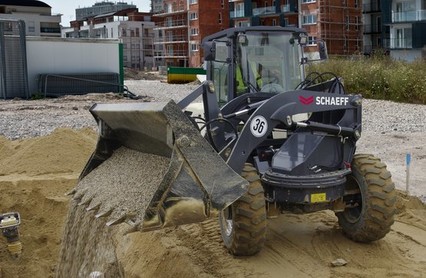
<point x="243" y="224"/>
<point x="370" y="198"/>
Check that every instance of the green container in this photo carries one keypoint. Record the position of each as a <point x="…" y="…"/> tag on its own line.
<point x="183" y="75"/>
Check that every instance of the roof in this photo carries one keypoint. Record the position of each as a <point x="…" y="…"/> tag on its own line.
<point x="25" y="3"/>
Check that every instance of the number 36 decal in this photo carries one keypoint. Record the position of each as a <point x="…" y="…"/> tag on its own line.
<point x="258" y="126"/>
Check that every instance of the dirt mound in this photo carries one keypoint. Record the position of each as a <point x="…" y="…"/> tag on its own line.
<point x="134" y="74"/>
<point x="63" y="151"/>
<point x="36" y="173"/>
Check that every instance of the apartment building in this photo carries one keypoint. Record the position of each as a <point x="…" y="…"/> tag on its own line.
<point x="406" y="25"/>
<point x="37" y="16"/>
<point x="102" y="7"/>
<point x="205" y="18"/>
<point x="181" y="26"/>
<point x="132" y="28"/>
<point x="157" y="6"/>
<point x="337" y="22"/>
<point x="263" y="12"/>
<point x="374" y="30"/>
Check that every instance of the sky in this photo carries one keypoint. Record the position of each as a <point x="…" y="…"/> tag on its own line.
<point x="67" y="8"/>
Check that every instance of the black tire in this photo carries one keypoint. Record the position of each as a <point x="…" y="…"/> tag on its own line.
<point x="372" y="191"/>
<point x="243" y="224"/>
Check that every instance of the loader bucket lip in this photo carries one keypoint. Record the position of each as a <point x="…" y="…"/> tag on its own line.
<point x="197" y="181"/>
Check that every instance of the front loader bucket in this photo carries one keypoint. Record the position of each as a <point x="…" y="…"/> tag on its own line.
<point x="152" y="169"/>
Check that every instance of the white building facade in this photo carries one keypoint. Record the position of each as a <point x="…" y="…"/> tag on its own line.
<point x="37" y="16"/>
<point x="135" y="36"/>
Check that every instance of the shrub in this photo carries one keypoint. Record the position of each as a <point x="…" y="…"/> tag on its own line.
<point x="379" y="77"/>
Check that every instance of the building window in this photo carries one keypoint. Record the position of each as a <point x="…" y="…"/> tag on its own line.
<point x="274" y="22"/>
<point x="194" y="46"/>
<point x="312" y="40"/>
<point x="242" y="23"/>
<point x="194" y="31"/>
<point x="220" y="18"/>
<point x="222" y="4"/>
<point x="193" y="16"/>
<point x="356" y="4"/>
<point x="309" y="1"/>
<point x="310" y="19"/>
<point x="347" y="23"/>
<point x="31" y="26"/>
<point x="193" y="2"/>
<point x="356" y="23"/>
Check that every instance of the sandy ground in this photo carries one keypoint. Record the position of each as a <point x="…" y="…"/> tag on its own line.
<point x="36" y="173"/>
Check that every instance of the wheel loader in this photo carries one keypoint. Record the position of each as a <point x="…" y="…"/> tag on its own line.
<point x="267" y="140"/>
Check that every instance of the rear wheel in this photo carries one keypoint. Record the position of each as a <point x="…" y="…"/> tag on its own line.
<point x="243" y="224"/>
<point x="370" y="196"/>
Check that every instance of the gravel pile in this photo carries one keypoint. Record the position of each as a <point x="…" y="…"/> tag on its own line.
<point x="23" y="119"/>
<point x="119" y="185"/>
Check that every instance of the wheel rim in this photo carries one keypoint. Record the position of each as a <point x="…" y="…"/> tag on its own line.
<point x="228" y="225"/>
<point x="354" y="198"/>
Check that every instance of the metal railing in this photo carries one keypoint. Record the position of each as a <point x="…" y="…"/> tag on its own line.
<point x="171" y="39"/>
<point x="409" y="16"/>
<point x="77" y="84"/>
<point x="264" y="10"/>
<point x="174" y="53"/>
<point x="234" y="14"/>
<point x="174" y="23"/>
<point x="285" y="8"/>
<point x="395" y="43"/>
<point x="13" y="59"/>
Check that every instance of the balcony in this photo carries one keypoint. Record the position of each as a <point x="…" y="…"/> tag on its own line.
<point x="409" y="16"/>
<point x="285" y="8"/>
<point x="235" y="14"/>
<point x="170" y="12"/>
<point x="264" y="11"/>
<point x="372" y="7"/>
<point x="171" y="24"/>
<point x="171" y="39"/>
<point x="371" y="29"/>
<point x="399" y="43"/>
<point x="172" y="54"/>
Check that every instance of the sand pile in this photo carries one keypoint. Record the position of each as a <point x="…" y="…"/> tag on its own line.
<point x="36" y="173"/>
<point x="64" y="151"/>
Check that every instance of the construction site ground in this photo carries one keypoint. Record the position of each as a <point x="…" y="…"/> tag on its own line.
<point x="37" y="171"/>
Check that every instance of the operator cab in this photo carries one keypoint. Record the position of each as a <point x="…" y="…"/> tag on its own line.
<point x="254" y="59"/>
